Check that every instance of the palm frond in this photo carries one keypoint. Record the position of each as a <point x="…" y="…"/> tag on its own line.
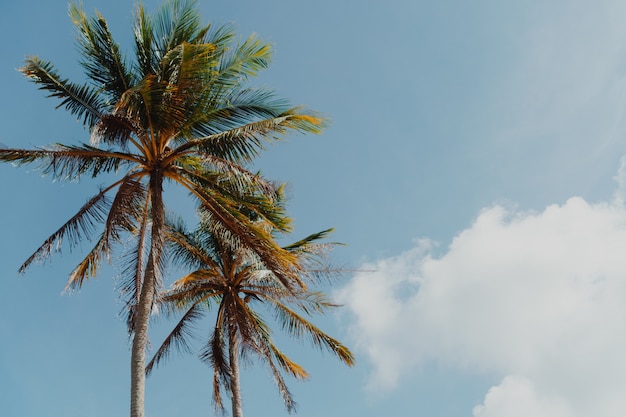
<point x="123" y="212"/>
<point x="187" y="249"/>
<point x="303" y="244"/>
<point x="68" y="162"/>
<point x="176" y="22"/>
<point x="133" y="262"/>
<point x="120" y="217"/>
<point x="80" y="226"/>
<point x="229" y="175"/>
<point x="102" y="59"/>
<point x="127" y="208"/>
<point x="144" y="43"/>
<point x="82" y="101"/>
<point x="88" y="267"/>
<point x="266" y="348"/>
<point x="297" y="326"/>
<point x="283" y="389"/>
<point x="214" y="355"/>
<point x="186" y="70"/>
<point x="249" y="196"/>
<point x="238" y="64"/>
<point x="231" y="225"/>
<point x="240" y="108"/>
<point x="243" y="143"/>
<point x="219" y="35"/>
<point x="178" y="338"/>
<point x="115" y="129"/>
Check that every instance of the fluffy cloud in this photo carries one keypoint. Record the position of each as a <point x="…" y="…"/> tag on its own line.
<point x="517" y="397"/>
<point x="537" y="297"/>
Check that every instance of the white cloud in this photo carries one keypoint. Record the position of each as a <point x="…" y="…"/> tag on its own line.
<point x="517" y="397"/>
<point x="537" y="297"/>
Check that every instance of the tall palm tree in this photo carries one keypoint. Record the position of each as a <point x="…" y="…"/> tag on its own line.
<point x="239" y="283"/>
<point x="177" y="112"/>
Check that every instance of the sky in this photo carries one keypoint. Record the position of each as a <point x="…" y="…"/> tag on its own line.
<point x="475" y="166"/>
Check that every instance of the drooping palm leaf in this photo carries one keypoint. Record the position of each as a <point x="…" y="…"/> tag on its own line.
<point x="178" y="338"/>
<point x="123" y="215"/>
<point x="297" y="326"/>
<point x="75" y="229"/>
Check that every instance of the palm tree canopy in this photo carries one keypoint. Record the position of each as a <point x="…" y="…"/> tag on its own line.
<point x="178" y="111"/>
<point x="180" y="107"/>
<point x="237" y="281"/>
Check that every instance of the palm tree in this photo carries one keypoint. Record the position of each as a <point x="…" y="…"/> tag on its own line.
<point x="238" y="281"/>
<point x="179" y="112"/>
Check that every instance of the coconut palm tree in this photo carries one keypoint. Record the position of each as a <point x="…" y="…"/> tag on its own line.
<point x="178" y="113"/>
<point x="239" y="283"/>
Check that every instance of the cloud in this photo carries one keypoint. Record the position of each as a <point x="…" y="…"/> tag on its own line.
<point x="517" y="397"/>
<point x="536" y="297"/>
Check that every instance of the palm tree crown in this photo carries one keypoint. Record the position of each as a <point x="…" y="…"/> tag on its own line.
<point x="238" y="282"/>
<point x="178" y="112"/>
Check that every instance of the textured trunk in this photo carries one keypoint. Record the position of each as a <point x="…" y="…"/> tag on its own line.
<point x="144" y="304"/>
<point x="233" y="351"/>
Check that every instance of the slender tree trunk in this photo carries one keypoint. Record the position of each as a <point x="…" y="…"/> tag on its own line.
<point x="144" y="304"/>
<point x="235" y="387"/>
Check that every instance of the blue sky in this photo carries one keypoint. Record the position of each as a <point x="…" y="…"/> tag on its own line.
<point x="474" y="162"/>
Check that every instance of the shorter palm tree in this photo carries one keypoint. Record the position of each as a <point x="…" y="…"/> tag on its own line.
<point x="236" y="281"/>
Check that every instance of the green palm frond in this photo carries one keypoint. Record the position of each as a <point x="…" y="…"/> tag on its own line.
<point x="303" y="244"/>
<point x="245" y="60"/>
<point x="186" y="71"/>
<point x="314" y="257"/>
<point x="298" y="326"/>
<point x="176" y="22"/>
<point x="102" y="60"/>
<point x="237" y="109"/>
<point x="221" y="36"/>
<point x="83" y="101"/>
<point x="144" y="44"/>
<point x="243" y="143"/>
<point x="186" y="66"/>
<point x="246" y="195"/>
<point x="281" y="264"/>
<point x="232" y="225"/>
<point x="149" y="106"/>
<point x="226" y="175"/>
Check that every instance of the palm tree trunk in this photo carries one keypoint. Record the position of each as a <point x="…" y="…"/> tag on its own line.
<point x="235" y="387"/>
<point x="146" y="298"/>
